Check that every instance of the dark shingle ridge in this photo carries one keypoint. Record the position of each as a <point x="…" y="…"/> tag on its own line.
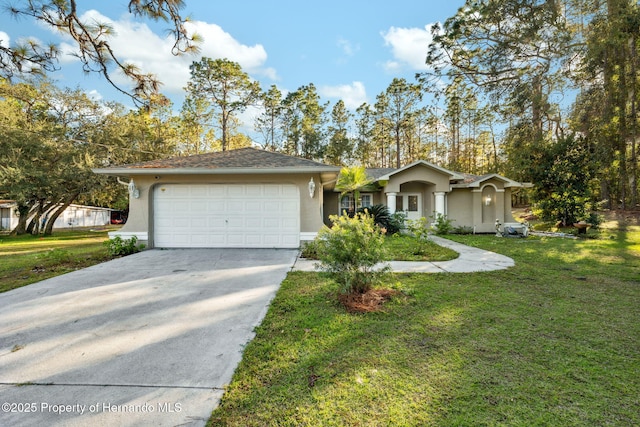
<point x="249" y="158"/>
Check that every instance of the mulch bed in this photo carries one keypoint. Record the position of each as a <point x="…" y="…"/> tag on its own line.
<point x="367" y="302"/>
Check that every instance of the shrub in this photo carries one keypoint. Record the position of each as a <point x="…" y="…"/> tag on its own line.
<point x="419" y="227"/>
<point x="462" y="229"/>
<point x="442" y="224"/>
<point x="122" y="247"/>
<point x="594" y="219"/>
<point x="397" y="222"/>
<point x="309" y="250"/>
<point x="350" y="250"/>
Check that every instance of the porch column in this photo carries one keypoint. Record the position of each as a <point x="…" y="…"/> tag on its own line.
<point x="391" y="202"/>
<point x="440" y="207"/>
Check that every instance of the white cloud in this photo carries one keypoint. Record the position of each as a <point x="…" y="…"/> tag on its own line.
<point x="409" y="47"/>
<point x="135" y="43"/>
<point x="347" y="47"/>
<point x="353" y="95"/>
<point x="4" y="39"/>
<point x="220" y="44"/>
<point x="94" y="95"/>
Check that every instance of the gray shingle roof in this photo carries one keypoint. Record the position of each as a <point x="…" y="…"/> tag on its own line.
<point x="376" y="173"/>
<point x="243" y="158"/>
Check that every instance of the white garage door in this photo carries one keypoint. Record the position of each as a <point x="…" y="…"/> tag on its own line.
<point x="226" y="216"/>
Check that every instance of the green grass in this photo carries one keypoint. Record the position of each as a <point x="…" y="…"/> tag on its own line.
<point x="27" y="259"/>
<point x="553" y="341"/>
<point x="409" y="248"/>
<point x="405" y="248"/>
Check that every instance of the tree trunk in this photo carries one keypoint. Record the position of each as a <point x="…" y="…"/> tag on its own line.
<point x="225" y="120"/>
<point x="397" y="146"/>
<point x="23" y="215"/>
<point x="634" y="122"/>
<point x="56" y="213"/>
<point x="605" y="194"/>
<point x="34" y="224"/>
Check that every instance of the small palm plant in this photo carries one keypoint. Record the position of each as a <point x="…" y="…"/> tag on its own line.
<point x="351" y="180"/>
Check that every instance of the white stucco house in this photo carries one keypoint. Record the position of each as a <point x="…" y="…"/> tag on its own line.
<point x="255" y="198"/>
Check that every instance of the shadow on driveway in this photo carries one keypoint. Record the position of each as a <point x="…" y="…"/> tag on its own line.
<point x="149" y="339"/>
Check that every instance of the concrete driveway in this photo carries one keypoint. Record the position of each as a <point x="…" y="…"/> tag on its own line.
<point x="149" y="339"/>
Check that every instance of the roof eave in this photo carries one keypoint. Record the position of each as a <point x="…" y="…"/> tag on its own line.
<point x="212" y="171"/>
<point x="507" y="184"/>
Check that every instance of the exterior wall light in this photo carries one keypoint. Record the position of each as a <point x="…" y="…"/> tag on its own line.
<point x="312" y="187"/>
<point x="133" y="190"/>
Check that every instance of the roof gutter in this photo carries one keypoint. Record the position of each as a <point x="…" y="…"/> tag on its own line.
<point x="213" y="171"/>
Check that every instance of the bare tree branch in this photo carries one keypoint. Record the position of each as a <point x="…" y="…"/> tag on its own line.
<point x="92" y="38"/>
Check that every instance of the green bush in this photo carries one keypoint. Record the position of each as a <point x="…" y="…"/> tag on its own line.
<point x="122" y="247"/>
<point x="397" y="222"/>
<point x="350" y="250"/>
<point x="594" y="219"/>
<point x="419" y="227"/>
<point x="309" y="250"/>
<point x="462" y="229"/>
<point x="442" y="224"/>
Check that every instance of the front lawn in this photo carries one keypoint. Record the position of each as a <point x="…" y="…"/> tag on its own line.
<point x="402" y="247"/>
<point x="409" y="248"/>
<point x="552" y="341"/>
<point x="27" y="259"/>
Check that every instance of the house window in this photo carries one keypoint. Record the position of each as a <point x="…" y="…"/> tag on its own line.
<point x="346" y="202"/>
<point x="413" y="203"/>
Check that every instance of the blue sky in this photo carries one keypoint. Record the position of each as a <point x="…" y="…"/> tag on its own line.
<point x="349" y="49"/>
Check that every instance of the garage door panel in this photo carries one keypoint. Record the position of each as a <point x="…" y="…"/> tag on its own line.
<point x="198" y="191"/>
<point x="272" y="223"/>
<point x="235" y="222"/>
<point x="235" y="206"/>
<point x="217" y="239"/>
<point x="199" y="239"/>
<point x="253" y="190"/>
<point x="179" y="223"/>
<point x="226" y="215"/>
<point x="216" y="192"/>
<point x="217" y="206"/>
<point x="200" y="222"/>
<point x="179" y="206"/>
<point x="255" y="206"/>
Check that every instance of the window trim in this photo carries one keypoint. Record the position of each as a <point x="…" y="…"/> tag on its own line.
<point x="348" y="196"/>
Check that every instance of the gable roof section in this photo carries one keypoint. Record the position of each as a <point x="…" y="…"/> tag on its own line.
<point x="243" y="161"/>
<point x="474" y="181"/>
<point x="450" y="174"/>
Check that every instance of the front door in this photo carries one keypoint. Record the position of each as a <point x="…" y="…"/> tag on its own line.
<point x="410" y="204"/>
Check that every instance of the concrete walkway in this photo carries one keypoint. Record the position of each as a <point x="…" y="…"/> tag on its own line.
<point x="470" y="260"/>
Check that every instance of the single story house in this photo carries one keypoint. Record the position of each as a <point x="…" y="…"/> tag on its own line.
<point x="255" y="198"/>
<point x="73" y="216"/>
